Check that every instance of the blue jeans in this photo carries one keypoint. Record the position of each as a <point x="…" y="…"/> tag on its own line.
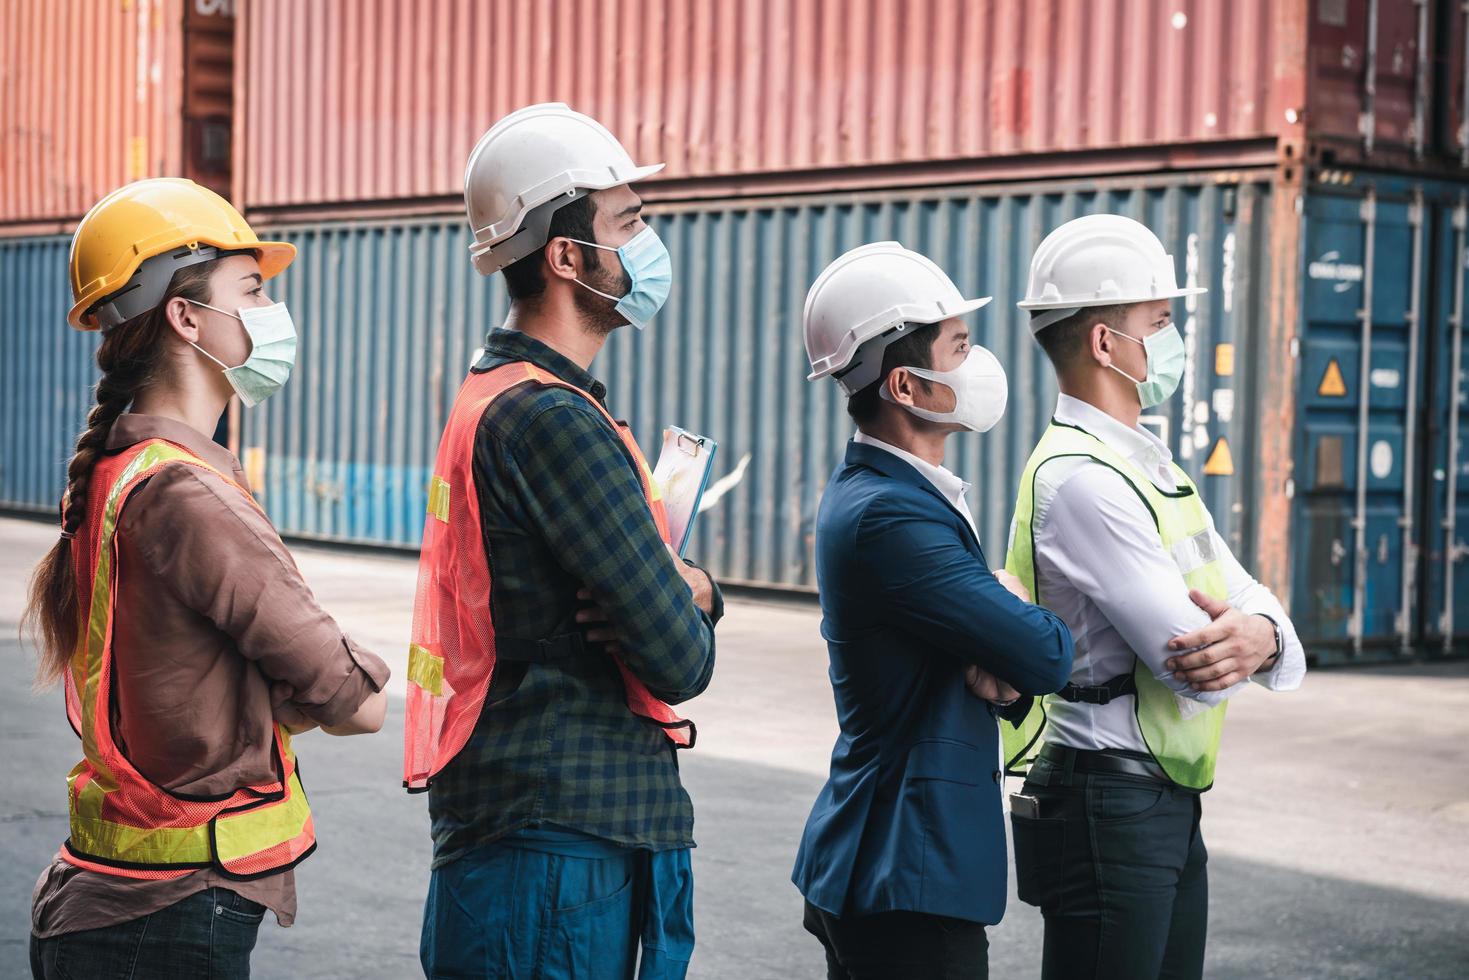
<point x="514" y="911"/>
<point x="207" y="936"/>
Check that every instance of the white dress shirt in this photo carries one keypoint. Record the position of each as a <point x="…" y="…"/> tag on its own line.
<point x="1102" y="568"/>
<point x="944" y="481"/>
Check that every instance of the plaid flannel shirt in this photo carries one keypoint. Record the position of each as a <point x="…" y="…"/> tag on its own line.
<point x="561" y="507"/>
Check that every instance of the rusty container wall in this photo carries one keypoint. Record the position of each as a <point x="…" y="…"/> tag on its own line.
<point x="1371" y="79"/>
<point x="349" y="102"/>
<point x="209" y="92"/>
<point x="1451" y="71"/>
<point x="96" y="94"/>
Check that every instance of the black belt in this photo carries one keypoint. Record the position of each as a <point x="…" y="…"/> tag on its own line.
<point x="1114" y="762"/>
<point x="1118" y="687"/>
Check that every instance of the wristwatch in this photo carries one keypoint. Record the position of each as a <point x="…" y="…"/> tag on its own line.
<point x="1279" y="635"/>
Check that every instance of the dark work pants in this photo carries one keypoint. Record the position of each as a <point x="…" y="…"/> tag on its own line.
<point x="1118" y="868"/>
<point x="900" y="946"/>
<point x="207" y="936"/>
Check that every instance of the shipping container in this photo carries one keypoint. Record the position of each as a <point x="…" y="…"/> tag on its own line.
<point x="96" y="94"/>
<point x="1379" y="486"/>
<point x="1451" y="73"/>
<point x="47" y="371"/>
<point x="1350" y="500"/>
<point x="1369" y="77"/>
<point x="369" y="109"/>
<point x="392" y="313"/>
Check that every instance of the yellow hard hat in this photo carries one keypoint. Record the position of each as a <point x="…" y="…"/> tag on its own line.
<point x="170" y="220"/>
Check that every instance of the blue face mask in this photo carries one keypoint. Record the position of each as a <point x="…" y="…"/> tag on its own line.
<point x="650" y="270"/>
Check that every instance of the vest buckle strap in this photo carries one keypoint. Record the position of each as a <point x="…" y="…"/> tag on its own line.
<point x="1118" y="687"/>
<point x="551" y="650"/>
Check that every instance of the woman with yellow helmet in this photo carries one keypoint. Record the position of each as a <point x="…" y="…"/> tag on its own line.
<point x="190" y="646"/>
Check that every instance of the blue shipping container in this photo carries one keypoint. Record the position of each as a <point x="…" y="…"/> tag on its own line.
<point x="390" y="314"/>
<point x="46" y="373"/>
<point x="1378" y="446"/>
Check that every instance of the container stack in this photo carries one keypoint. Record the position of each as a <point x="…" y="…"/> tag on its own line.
<point x="1307" y="161"/>
<point x="92" y="95"/>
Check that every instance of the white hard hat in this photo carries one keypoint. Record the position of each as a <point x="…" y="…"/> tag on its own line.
<point x="1098" y="260"/>
<point x="863" y="302"/>
<point x="545" y="154"/>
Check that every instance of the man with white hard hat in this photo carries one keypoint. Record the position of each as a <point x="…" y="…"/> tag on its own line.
<point x="902" y="862"/>
<point x="554" y="625"/>
<point x="1112" y="535"/>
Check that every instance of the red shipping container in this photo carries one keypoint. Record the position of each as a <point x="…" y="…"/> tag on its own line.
<point x="94" y="94"/>
<point x="1369" y="78"/>
<point x="349" y="101"/>
<point x="1452" y="122"/>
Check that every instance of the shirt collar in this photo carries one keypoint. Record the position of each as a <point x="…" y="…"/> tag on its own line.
<point x="943" y="480"/>
<point x="1135" y="443"/>
<point x="131" y="429"/>
<point x="512" y="345"/>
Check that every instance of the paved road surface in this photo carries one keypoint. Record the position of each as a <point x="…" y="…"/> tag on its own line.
<point x="1339" y="828"/>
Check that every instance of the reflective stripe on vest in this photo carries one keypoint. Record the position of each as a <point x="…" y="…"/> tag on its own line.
<point x="451" y="656"/>
<point x="122" y="823"/>
<point x="1186" y="748"/>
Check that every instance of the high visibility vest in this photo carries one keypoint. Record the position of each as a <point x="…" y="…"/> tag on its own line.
<point x="1185" y="748"/>
<point x="121" y="822"/>
<point x="451" y="659"/>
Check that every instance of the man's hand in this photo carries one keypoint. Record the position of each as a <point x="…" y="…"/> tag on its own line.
<point x="285" y="711"/>
<point x="697" y="581"/>
<point x="1012" y="585"/>
<point x="987" y="687"/>
<point x="1233" y="646"/>
<point x="595" y="626"/>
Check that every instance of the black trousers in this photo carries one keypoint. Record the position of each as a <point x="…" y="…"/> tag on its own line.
<point x="209" y="934"/>
<point x="900" y="946"/>
<point x="1119" y="871"/>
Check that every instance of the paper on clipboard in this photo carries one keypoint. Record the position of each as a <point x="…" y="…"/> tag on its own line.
<point x="682" y="474"/>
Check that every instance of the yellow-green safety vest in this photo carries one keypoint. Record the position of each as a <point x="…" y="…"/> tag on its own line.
<point x="1186" y="748"/>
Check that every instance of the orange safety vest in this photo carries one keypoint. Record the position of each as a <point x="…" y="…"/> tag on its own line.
<point x="451" y="659"/>
<point x="122" y="823"/>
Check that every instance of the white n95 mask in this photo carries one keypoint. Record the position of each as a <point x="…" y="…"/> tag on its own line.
<point x="272" y="336"/>
<point x="980" y="391"/>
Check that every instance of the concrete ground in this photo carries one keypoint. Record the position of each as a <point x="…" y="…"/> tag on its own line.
<point x="1339" y="828"/>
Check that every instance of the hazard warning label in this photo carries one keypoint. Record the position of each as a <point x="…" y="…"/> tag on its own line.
<point x="1332" y="385"/>
<point x="1220" y="461"/>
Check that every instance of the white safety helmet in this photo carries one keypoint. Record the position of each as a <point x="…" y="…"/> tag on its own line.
<point x="528" y="165"/>
<point x="1098" y="260"/>
<point x="865" y="300"/>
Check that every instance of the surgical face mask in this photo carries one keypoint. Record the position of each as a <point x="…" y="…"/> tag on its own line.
<point x="980" y="391"/>
<point x="1165" y="356"/>
<point x="649" y="269"/>
<point x="272" y="351"/>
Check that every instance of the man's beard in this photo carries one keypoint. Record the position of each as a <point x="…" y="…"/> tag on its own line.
<point x="598" y="313"/>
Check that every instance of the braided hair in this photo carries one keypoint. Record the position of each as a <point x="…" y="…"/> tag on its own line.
<point x="132" y="357"/>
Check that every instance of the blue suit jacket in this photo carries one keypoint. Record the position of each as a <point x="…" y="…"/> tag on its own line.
<point x="910" y="816"/>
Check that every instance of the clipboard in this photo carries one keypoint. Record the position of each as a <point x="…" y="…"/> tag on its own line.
<point x="682" y="473"/>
